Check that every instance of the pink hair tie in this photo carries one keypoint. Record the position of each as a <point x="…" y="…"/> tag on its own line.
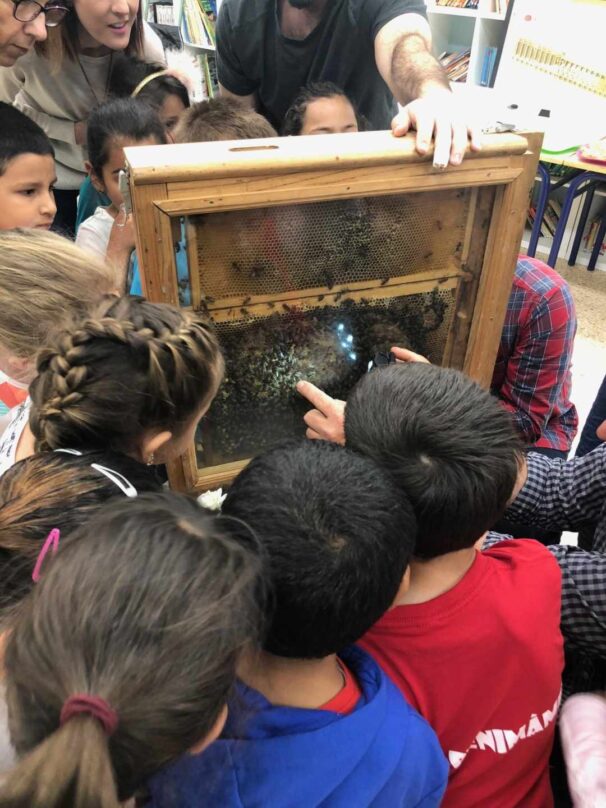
<point x="50" y="543"/>
<point x="82" y="703"/>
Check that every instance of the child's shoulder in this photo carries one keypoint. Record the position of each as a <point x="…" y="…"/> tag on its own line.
<point x="523" y="558"/>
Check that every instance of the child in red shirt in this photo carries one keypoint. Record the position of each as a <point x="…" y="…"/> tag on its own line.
<point x="475" y="643"/>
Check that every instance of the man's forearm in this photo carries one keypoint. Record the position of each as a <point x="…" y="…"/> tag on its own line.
<point x="414" y="71"/>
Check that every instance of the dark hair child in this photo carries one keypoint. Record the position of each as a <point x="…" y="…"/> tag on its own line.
<point x="469" y="617"/>
<point x="321" y="108"/>
<point x="152" y="83"/>
<point x="27" y="172"/>
<point x="336" y="537"/>
<point x="447" y="444"/>
<point x="123" y="122"/>
<point x="123" y="658"/>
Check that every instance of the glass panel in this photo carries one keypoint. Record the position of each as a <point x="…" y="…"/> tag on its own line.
<point x="265" y="356"/>
<point x="313" y="291"/>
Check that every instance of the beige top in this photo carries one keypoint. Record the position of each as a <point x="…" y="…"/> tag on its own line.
<point x="56" y="101"/>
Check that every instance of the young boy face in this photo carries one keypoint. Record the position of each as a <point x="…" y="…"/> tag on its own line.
<point x="329" y="116"/>
<point x="26" y="192"/>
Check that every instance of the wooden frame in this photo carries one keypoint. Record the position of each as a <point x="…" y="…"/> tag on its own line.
<point x="170" y="182"/>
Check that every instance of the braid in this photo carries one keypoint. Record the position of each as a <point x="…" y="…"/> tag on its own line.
<point x="136" y="367"/>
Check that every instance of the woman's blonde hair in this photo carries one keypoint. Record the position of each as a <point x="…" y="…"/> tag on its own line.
<point x="45" y="281"/>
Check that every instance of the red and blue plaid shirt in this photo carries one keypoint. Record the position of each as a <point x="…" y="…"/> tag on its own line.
<point x="532" y="374"/>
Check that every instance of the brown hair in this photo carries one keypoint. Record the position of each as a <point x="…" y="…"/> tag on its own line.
<point x="45" y="281"/>
<point x="147" y="608"/>
<point x="55" y="490"/>
<point x="62" y="41"/>
<point x="133" y="367"/>
<point x="221" y="119"/>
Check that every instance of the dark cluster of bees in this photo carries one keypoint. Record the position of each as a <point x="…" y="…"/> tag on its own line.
<point x="331" y="346"/>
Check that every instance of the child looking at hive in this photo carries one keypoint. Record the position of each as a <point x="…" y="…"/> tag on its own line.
<point x="134" y="377"/>
<point x="159" y="87"/>
<point x="336" y="538"/>
<point x="45" y="281"/>
<point x="469" y="618"/>
<point x="109" y="233"/>
<point x="321" y="108"/>
<point x="103" y="687"/>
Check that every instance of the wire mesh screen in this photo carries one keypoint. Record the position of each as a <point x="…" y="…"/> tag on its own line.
<point x="268" y="250"/>
<point x="268" y="351"/>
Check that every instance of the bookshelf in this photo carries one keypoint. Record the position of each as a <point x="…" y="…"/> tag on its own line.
<point x="475" y="34"/>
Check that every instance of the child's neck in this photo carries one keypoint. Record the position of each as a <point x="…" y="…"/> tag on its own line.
<point x="305" y="683"/>
<point x="431" y="578"/>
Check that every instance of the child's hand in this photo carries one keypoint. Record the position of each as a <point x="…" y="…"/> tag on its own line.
<point x="404" y="355"/>
<point x="327" y="420"/>
<point x="121" y="244"/>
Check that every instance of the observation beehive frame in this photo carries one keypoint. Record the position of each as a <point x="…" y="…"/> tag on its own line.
<point x="351" y="228"/>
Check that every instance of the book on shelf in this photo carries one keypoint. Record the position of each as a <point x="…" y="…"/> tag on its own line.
<point x="198" y="24"/>
<point x="500" y="6"/>
<point x="488" y="65"/>
<point x="551" y="217"/>
<point x="456" y="64"/>
<point x="590" y="236"/>
<point x="210" y="83"/>
<point x="458" y="3"/>
<point x="161" y="13"/>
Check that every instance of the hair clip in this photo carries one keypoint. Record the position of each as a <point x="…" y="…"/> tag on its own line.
<point x="118" y="479"/>
<point x="50" y="543"/>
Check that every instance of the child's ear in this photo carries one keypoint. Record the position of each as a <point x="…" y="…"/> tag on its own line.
<point x="214" y="733"/>
<point x="96" y="181"/>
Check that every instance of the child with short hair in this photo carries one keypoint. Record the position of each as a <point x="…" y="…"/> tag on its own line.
<point x="221" y="119"/>
<point x="27" y="172"/>
<point x="314" y="722"/>
<point x="321" y="108"/>
<point x="45" y="281"/>
<point x="109" y="233"/>
<point x="134" y="377"/>
<point x="123" y="658"/>
<point x="475" y="643"/>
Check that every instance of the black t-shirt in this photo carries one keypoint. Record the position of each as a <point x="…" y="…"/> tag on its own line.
<point x="254" y="57"/>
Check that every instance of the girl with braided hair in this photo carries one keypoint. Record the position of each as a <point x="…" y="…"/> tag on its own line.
<point x="122" y="659"/>
<point x="136" y="377"/>
<point x="45" y="281"/>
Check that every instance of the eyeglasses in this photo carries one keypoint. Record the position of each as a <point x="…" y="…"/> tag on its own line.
<point x="28" y="10"/>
